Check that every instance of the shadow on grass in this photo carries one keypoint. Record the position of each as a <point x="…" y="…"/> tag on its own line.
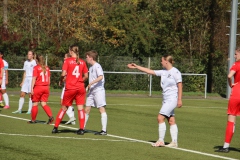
<point x="230" y="148"/>
<point x="166" y="143"/>
<point x="74" y="131"/>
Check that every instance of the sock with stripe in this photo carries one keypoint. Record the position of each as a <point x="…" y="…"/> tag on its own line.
<point x="59" y="117"/>
<point x="229" y="133"/>
<point x="81" y="118"/>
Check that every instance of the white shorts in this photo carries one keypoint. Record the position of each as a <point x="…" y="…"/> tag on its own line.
<point x="96" y="98"/>
<point x="26" y="87"/>
<point x="62" y="92"/>
<point x="169" y="103"/>
<point x="3" y="86"/>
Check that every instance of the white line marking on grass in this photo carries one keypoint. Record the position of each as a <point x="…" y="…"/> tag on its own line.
<point x="42" y="136"/>
<point x="136" y="140"/>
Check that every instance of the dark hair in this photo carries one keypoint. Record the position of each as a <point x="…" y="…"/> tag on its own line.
<point x="93" y="54"/>
<point x="75" y="49"/>
<point x="1" y="52"/>
<point x="41" y="62"/>
<point x="168" y="58"/>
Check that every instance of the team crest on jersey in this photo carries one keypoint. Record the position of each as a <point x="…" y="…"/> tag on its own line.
<point x="169" y="75"/>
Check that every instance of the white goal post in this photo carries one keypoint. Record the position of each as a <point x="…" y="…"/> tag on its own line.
<point x="150" y="77"/>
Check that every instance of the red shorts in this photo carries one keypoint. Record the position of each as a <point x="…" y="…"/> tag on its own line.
<point x="40" y="93"/>
<point x="234" y="106"/>
<point x="77" y="95"/>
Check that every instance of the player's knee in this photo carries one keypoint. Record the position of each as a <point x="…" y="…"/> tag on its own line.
<point x="160" y="118"/>
<point x="102" y="109"/>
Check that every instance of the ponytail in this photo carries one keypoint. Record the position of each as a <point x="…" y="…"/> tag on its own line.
<point x="75" y="49"/>
<point x="41" y="62"/>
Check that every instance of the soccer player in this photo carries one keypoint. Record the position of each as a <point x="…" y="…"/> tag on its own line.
<point x="171" y="83"/>
<point x="96" y="95"/>
<point x="26" y="82"/>
<point x="4" y="82"/>
<point x="40" y="89"/>
<point x="70" y="111"/>
<point x="233" y="103"/>
<point x="1" y="69"/>
<point x="76" y="72"/>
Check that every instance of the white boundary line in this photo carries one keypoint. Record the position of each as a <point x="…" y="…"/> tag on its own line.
<point x="75" y="138"/>
<point x="136" y="140"/>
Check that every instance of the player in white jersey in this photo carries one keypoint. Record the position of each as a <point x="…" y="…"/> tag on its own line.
<point x="171" y="83"/>
<point x="4" y="82"/>
<point x="70" y="111"/>
<point x="96" y="91"/>
<point x="26" y="82"/>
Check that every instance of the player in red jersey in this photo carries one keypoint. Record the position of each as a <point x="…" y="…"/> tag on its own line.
<point x="40" y="89"/>
<point x="76" y="73"/>
<point x="1" y="70"/>
<point x="234" y="101"/>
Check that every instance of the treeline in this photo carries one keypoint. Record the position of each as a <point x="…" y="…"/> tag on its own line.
<point x="193" y="31"/>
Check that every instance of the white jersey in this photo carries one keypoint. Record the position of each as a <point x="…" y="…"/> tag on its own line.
<point x="28" y="67"/>
<point x="5" y="68"/>
<point x="169" y="80"/>
<point x="94" y="72"/>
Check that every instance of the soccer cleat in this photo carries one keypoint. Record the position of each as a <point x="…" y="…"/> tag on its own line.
<point x="1" y="104"/>
<point x="72" y="119"/>
<point x="101" y="133"/>
<point x="223" y="150"/>
<point x="172" y="144"/>
<point x="17" y="112"/>
<point x="158" y="144"/>
<point x="55" y="130"/>
<point x="80" y="132"/>
<point x="28" y="112"/>
<point x="73" y="123"/>
<point x="31" y="122"/>
<point x="50" y="120"/>
<point x="6" y="107"/>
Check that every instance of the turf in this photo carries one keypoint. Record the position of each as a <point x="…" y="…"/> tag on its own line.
<point x="201" y="124"/>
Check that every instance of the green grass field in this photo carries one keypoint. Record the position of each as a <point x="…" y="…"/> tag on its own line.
<point x="132" y="126"/>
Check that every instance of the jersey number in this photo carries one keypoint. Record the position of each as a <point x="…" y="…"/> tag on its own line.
<point x="76" y="72"/>
<point x="43" y="77"/>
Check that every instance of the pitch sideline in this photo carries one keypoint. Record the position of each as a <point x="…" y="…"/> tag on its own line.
<point x="136" y="140"/>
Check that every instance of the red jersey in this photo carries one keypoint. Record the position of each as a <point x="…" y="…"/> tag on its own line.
<point x="74" y="78"/>
<point x="1" y="66"/>
<point x="236" y="67"/>
<point x="41" y="78"/>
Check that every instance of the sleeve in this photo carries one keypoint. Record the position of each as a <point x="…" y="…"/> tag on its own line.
<point x="65" y="66"/>
<point x="234" y="67"/>
<point x="35" y="71"/>
<point x="177" y="76"/>
<point x="99" y="70"/>
<point x="24" y="67"/>
<point x="85" y="69"/>
<point x="158" y="72"/>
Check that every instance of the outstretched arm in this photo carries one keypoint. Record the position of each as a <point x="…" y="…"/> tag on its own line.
<point x="143" y="69"/>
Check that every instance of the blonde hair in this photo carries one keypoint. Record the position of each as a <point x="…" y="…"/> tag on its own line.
<point x="168" y="58"/>
<point x="75" y="49"/>
<point x="93" y="54"/>
<point x="41" y="62"/>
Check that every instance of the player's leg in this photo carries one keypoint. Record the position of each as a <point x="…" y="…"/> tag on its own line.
<point x="68" y="98"/>
<point x="70" y="113"/>
<point x="1" y="99"/>
<point x="80" y="101"/>
<point x="21" y="102"/>
<point x="233" y="110"/>
<point x="34" y="113"/>
<point x="6" y="99"/>
<point x="30" y="100"/>
<point x="161" y="131"/>
<point x="173" y="131"/>
<point x="46" y="108"/>
<point x="103" y="113"/>
<point x="89" y="103"/>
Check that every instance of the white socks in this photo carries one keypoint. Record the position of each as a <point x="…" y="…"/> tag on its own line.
<point x="226" y="145"/>
<point x="70" y="112"/>
<point x="6" y="100"/>
<point x="174" y="132"/>
<point x="30" y="105"/>
<point x="104" y="121"/>
<point x="86" y="119"/>
<point x="21" y="102"/>
<point x="162" y="131"/>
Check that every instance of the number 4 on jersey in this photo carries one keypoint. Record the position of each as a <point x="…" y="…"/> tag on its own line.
<point x="76" y="72"/>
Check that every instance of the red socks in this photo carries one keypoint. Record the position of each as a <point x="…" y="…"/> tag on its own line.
<point x="229" y="131"/>
<point x="0" y="96"/>
<point x="59" y="117"/>
<point x="34" y="112"/>
<point x="81" y="118"/>
<point x="48" y="111"/>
